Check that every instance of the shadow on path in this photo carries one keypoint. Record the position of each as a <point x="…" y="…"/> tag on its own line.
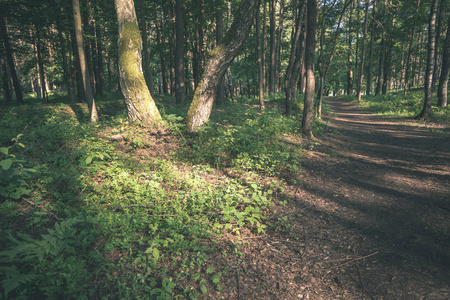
<point x="382" y="188"/>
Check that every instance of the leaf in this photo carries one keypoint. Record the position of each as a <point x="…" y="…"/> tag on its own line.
<point x="204" y="289"/>
<point x="4" y="150"/>
<point x="6" y="164"/>
<point x="88" y="160"/>
<point x="156" y="253"/>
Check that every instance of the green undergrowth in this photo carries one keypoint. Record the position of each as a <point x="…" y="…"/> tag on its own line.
<point x="400" y="106"/>
<point x="89" y="216"/>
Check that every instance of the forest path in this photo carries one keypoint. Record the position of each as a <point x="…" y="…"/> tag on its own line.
<point x="381" y="189"/>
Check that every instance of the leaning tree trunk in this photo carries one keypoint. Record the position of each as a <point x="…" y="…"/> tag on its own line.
<point x="424" y="114"/>
<point x="82" y="59"/>
<point x="10" y="60"/>
<point x="445" y="72"/>
<point x="311" y="26"/>
<point x="219" y="61"/>
<point x="140" y="105"/>
<point x="5" y="81"/>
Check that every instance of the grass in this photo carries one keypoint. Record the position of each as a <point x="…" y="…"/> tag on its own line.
<point x="409" y="106"/>
<point x="111" y="210"/>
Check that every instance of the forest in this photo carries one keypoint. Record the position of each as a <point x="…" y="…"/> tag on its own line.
<point x="212" y="149"/>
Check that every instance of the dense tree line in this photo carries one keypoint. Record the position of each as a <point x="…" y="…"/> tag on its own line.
<point x="212" y="50"/>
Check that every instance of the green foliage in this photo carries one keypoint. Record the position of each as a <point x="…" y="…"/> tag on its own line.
<point x="52" y="266"/>
<point x="106" y="217"/>
<point x="13" y="173"/>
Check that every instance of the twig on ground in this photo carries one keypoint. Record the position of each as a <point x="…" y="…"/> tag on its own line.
<point x="355" y="259"/>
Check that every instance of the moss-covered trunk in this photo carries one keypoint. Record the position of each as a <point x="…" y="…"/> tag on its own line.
<point x="140" y="104"/>
<point x="220" y="59"/>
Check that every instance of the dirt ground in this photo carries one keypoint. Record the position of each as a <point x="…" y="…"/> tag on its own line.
<point x="370" y="219"/>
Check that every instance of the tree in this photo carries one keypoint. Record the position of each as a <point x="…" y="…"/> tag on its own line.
<point x="445" y="72"/>
<point x="273" y="47"/>
<point x="372" y="41"/>
<point x="85" y="74"/>
<point x="424" y="114"/>
<point x="295" y="59"/>
<point x="363" y="53"/>
<point x="180" y="89"/>
<point x="10" y="59"/>
<point x="311" y="26"/>
<point x="220" y="59"/>
<point x="140" y="105"/>
<point x="259" y="61"/>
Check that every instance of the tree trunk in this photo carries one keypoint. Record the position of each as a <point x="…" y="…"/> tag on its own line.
<point x="372" y="42"/>
<point x="67" y="74"/>
<point x="349" y="54"/>
<point x="146" y="64"/>
<point x="445" y="72"/>
<point x="264" y="50"/>
<point x="140" y="105"/>
<point x="311" y="25"/>
<point x="363" y="52"/>
<point x="424" y="114"/>
<point x="83" y="63"/>
<point x="5" y="81"/>
<point x="219" y="60"/>
<point x="10" y="59"/>
<point x="41" y="65"/>
<point x="408" y="56"/>
<point x="99" y="47"/>
<point x="280" y="44"/>
<point x="180" y="89"/>
<point x="273" y="47"/>
<point x="219" y="36"/>
<point x="295" y="59"/>
<point x="442" y="8"/>
<point x="260" y="62"/>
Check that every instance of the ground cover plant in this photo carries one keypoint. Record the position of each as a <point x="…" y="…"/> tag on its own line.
<point x="396" y="105"/>
<point x="113" y="210"/>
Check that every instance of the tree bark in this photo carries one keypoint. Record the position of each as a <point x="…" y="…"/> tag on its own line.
<point x="10" y="60"/>
<point x="273" y="47"/>
<point x="180" y="89"/>
<point x="363" y="52"/>
<point x="372" y="42"/>
<point x="445" y="72"/>
<point x="280" y="44"/>
<point x="259" y="61"/>
<point x="219" y="61"/>
<point x="442" y="9"/>
<point x="41" y="65"/>
<point x="5" y="81"/>
<point x="408" y="56"/>
<point x="140" y="104"/>
<point x="146" y="64"/>
<point x="349" y="54"/>
<point x="83" y="63"/>
<point x="311" y="25"/>
<point x="295" y="59"/>
<point x="219" y="36"/>
<point x="425" y="113"/>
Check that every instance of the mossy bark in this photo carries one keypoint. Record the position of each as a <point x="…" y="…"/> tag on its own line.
<point x="140" y="105"/>
<point x="220" y="59"/>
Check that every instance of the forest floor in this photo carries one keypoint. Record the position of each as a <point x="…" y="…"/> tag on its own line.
<point x="370" y="218"/>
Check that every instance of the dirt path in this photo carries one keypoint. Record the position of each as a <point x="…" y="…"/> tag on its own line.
<point x="370" y="219"/>
<point x="382" y="189"/>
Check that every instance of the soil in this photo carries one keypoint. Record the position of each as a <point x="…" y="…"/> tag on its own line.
<point x="370" y="219"/>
